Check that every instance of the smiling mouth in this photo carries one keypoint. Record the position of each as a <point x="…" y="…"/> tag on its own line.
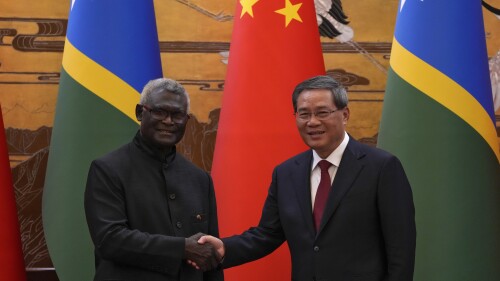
<point x="166" y="132"/>
<point x="315" y="133"/>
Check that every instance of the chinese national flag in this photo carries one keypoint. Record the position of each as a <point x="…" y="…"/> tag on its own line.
<point x="11" y="255"/>
<point x="275" y="45"/>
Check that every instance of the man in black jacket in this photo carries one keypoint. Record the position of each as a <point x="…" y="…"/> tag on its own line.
<point x="146" y="205"/>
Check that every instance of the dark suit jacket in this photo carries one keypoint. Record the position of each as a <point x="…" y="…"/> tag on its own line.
<point x="367" y="230"/>
<point x="140" y="204"/>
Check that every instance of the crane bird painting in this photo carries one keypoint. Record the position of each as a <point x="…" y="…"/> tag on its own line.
<point x="332" y="21"/>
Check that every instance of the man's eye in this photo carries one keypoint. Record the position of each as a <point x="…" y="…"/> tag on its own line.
<point x="158" y="112"/>
<point x="304" y="115"/>
<point x="177" y="114"/>
<point x="322" y="113"/>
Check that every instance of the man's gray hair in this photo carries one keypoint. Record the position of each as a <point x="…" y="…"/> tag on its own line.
<point x="165" y="84"/>
<point x="339" y="93"/>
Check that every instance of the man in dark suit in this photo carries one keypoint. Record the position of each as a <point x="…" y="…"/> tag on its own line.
<point x="146" y="205"/>
<point x="350" y="218"/>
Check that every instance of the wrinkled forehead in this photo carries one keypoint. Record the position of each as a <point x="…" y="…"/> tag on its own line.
<point x="162" y="98"/>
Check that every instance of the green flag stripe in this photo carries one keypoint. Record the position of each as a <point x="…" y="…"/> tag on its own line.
<point x="454" y="177"/>
<point x="100" y="81"/>
<point x="444" y="90"/>
<point x="85" y="127"/>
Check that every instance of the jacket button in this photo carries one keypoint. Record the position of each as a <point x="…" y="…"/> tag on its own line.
<point x="316" y="248"/>
<point x="172" y="196"/>
<point x="179" y="224"/>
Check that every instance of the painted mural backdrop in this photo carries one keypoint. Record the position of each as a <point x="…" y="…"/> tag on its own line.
<point x="194" y="43"/>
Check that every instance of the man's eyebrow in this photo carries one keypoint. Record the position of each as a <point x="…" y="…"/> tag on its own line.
<point x="168" y="108"/>
<point x="314" y="109"/>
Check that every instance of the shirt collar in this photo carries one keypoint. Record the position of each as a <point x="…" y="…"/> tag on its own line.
<point x="335" y="156"/>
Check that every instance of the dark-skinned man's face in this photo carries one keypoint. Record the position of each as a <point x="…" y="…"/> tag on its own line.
<point x="167" y="132"/>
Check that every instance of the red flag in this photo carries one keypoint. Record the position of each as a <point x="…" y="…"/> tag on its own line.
<point x="11" y="254"/>
<point x="275" y="45"/>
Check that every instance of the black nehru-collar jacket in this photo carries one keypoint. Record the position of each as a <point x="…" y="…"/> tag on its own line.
<point x="140" y="204"/>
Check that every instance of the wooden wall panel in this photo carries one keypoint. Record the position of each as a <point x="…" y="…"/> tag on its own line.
<point x="193" y="35"/>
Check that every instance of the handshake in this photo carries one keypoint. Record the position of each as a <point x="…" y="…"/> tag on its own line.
<point x="204" y="252"/>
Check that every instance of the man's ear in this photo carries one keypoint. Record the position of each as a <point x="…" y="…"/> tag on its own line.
<point x="138" y="112"/>
<point x="346" y="114"/>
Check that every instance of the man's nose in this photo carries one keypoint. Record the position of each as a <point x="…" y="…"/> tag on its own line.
<point x="313" y="120"/>
<point x="168" y="119"/>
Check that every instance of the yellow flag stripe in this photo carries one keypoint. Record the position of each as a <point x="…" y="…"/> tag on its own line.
<point x="445" y="91"/>
<point x="100" y="81"/>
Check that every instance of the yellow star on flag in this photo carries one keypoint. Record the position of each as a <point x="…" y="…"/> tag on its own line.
<point x="290" y="12"/>
<point x="247" y="7"/>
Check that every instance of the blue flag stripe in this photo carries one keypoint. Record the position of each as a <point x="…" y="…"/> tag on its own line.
<point x="114" y="33"/>
<point x="458" y="45"/>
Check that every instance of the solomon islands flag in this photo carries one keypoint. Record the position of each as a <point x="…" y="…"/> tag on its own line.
<point x="438" y="119"/>
<point x="111" y="52"/>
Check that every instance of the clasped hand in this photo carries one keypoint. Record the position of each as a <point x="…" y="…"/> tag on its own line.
<point x="201" y="256"/>
<point x="204" y="252"/>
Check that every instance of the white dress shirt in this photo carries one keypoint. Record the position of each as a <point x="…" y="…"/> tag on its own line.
<point x="333" y="158"/>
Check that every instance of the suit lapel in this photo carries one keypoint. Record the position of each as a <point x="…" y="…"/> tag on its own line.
<point x="301" y="180"/>
<point x="347" y="173"/>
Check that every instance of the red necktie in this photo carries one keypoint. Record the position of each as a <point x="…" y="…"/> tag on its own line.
<point x="322" y="193"/>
